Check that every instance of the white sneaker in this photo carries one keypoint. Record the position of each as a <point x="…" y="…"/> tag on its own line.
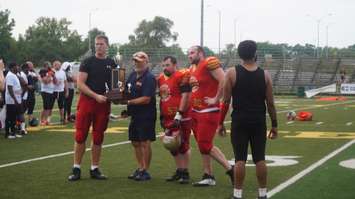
<point x="11" y="137"/>
<point x="207" y="180"/>
<point x="18" y="136"/>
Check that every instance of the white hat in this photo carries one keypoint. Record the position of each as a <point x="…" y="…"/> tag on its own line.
<point x="65" y="66"/>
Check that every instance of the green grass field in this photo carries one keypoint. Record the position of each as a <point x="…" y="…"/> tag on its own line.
<point x="23" y="174"/>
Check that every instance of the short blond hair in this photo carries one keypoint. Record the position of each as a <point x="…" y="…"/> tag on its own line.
<point x="104" y="37"/>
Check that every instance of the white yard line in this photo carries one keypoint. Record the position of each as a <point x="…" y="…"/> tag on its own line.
<point x="56" y="155"/>
<point x="60" y="154"/>
<point x="306" y="171"/>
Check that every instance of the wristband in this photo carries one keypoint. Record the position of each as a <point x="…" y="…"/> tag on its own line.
<point x="223" y="112"/>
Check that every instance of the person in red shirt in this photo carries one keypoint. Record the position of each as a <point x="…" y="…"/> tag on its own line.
<point x="174" y="91"/>
<point x="206" y="80"/>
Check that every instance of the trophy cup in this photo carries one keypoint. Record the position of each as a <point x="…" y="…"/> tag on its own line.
<point x="117" y="92"/>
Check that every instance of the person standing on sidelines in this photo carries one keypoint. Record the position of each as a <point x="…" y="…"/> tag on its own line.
<point x="250" y="88"/>
<point x="71" y="79"/>
<point x="93" y="108"/>
<point x="174" y="91"/>
<point x="13" y="99"/>
<point x="47" y="88"/>
<point x="2" y="78"/>
<point x="31" y="99"/>
<point x="60" y="88"/>
<point x="141" y="106"/>
<point x="206" y="80"/>
<point x="24" y="83"/>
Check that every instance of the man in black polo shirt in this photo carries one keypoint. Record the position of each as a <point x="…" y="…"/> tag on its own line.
<point x="250" y="87"/>
<point x="140" y="87"/>
<point x="93" y="108"/>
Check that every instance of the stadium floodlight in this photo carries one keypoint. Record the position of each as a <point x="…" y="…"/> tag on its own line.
<point x="202" y="16"/>
<point x="318" y="21"/>
<point x="219" y="28"/>
<point x="89" y="38"/>
<point x="235" y="31"/>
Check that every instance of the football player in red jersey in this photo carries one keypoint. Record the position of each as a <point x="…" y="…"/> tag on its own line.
<point x="206" y="80"/>
<point x="174" y="91"/>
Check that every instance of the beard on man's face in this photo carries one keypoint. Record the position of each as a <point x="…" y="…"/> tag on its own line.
<point x="195" y="60"/>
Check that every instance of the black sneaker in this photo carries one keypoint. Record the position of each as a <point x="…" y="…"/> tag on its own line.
<point x="75" y="175"/>
<point x="263" y="197"/>
<point x="207" y="180"/>
<point x="235" y="197"/>
<point x="177" y="176"/>
<point x="185" y="177"/>
<point x="96" y="174"/>
<point x="134" y="174"/>
<point x="230" y="173"/>
<point x="143" y="176"/>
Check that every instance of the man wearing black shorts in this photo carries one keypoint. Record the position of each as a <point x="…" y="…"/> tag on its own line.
<point x="60" y="88"/>
<point x="249" y="87"/>
<point x="141" y="106"/>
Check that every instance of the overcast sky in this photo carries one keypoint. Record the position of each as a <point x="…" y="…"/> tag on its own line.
<point x="276" y="21"/>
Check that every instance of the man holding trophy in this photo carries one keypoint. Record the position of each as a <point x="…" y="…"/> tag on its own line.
<point x="94" y="81"/>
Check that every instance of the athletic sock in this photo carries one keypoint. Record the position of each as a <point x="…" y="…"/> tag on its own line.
<point x="262" y="192"/>
<point x="93" y="167"/>
<point x="23" y="126"/>
<point x="76" y="166"/>
<point x="238" y="193"/>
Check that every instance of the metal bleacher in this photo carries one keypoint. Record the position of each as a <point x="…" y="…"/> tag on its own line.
<point x="288" y="74"/>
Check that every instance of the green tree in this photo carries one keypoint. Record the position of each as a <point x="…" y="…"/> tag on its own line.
<point x="51" y="39"/>
<point x="7" y="43"/>
<point x="153" y="38"/>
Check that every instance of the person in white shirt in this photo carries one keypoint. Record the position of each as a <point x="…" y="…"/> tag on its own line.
<point x="71" y="79"/>
<point x="2" y="78"/>
<point x="60" y="88"/>
<point x="13" y="99"/>
<point x="24" y="84"/>
<point x="47" y="88"/>
<point x="31" y="99"/>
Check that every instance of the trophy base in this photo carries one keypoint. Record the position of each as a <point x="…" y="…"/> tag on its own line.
<point x="115" y="95"/>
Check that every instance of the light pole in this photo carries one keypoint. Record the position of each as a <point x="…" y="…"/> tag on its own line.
<point x="219" y="28"/>
<point x="89" y="36"/>
<point x="327" y="38"/>
<point x="201" y="33"/>
<point x="219" y="32"/>
<point x="318" y="21"/>
<point x="235" y="31"/>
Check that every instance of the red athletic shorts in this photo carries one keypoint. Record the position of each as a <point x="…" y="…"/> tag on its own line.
<point x="204" y="126"/>
<point x="89" y="112"/>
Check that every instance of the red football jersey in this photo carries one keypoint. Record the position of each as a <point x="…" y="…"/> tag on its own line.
<point x="169" y="91"/>
<point x="203" y="84"/>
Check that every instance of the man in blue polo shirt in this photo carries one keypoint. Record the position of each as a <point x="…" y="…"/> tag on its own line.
<point x="140" y="87"/>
